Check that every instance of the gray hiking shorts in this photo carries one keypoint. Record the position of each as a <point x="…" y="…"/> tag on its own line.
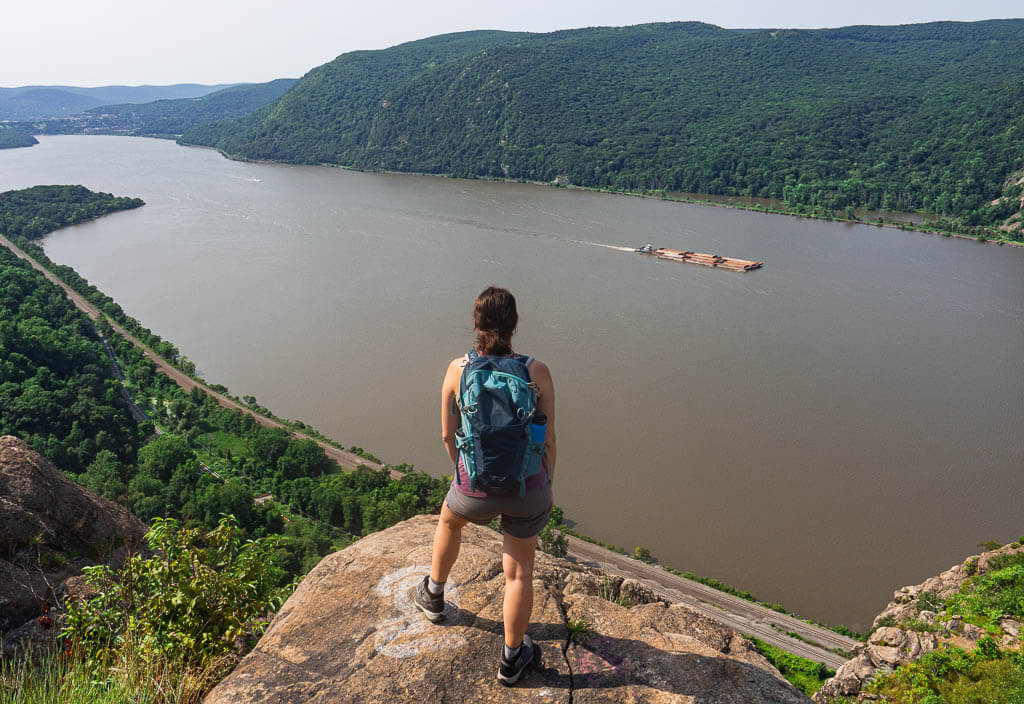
<point x="521" y="516"/>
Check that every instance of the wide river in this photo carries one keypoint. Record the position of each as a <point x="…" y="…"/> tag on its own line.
<point x="845" y="421"/>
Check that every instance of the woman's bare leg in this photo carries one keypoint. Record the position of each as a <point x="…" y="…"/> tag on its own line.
<point x="447" y="541"/>
<point x="517" y="561"/>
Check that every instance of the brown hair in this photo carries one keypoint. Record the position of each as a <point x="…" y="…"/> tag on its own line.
<point x="495" y="319"/>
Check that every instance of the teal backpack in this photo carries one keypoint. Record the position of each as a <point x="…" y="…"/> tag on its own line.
<point x="498" y="402"/>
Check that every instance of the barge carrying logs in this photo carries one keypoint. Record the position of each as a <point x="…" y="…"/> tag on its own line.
<point x="712" y="260"/>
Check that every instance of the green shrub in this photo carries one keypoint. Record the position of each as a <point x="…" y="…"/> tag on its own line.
<point x="927" y="601"/>
<point x="805" y="675"/>
<point x="987" y="649"/>
<point x="553" y="541"/>
<point x="187" y="603"/>
<point x="954" y="676"/>
<point x="985" y="598"/>
<point x="643" y="554"/>
<point x="914" y="624"/>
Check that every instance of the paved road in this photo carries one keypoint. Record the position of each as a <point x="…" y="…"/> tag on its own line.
<point x="345" y="459"/>
<point x="815" y="643"/>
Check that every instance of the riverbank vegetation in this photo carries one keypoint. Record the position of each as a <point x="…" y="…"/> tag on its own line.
<point x="912" y="118"/>
<point x="11" y="138"/>
<point x="806" y="675"/>
<point x="34" y="212"/>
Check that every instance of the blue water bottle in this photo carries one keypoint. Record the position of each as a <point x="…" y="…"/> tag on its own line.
<point x="538" y="428"/>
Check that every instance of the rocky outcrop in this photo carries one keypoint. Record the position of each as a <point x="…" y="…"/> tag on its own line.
<point x="49" y="529"/>
<point x="910" y="626"/>
<point x="350" y="633"/>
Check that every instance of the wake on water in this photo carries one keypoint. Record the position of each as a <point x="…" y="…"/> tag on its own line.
<point x="606" y="246"/>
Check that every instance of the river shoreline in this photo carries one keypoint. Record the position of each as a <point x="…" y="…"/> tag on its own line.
<point x="667" y="196"/>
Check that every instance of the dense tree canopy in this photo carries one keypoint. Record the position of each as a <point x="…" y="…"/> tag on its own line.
<point x="33" y="212"/>
<point x="914" y="117"/>
<point x="57" y="390"/>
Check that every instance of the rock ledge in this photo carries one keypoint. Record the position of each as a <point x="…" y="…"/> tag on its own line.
<point x="350" y="633"/>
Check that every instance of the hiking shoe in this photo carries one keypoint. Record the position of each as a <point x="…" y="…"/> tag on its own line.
<point x="432" y="606"/>
<point x="509" y="672"/>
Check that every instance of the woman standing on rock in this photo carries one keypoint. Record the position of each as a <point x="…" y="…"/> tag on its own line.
<point x="525" y="504"/>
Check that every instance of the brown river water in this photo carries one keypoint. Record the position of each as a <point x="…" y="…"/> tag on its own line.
<point x="820" y="432"/>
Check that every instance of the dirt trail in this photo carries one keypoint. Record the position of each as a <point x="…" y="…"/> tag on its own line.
<point x="814" y="643"/>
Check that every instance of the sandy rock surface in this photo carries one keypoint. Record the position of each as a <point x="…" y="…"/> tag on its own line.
<point x="350" y="633"/>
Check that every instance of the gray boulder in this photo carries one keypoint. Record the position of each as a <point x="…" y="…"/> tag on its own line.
<point x="49" y="529"/>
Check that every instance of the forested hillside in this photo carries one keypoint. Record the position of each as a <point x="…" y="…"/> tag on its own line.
<point x="172" y="117"/>
<point x="912" y="117"/>
<point x="57" y="391"/>
<point x="11" y="138"/>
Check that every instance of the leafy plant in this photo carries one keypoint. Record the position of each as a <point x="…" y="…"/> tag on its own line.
<point x="188" y="602"/>
<point x="806" y="675"/>
<point x="986" y="649"/>
<point x="927" y="601"/>
<point x="885" y="622"/>
<point x="954" y="676"/>
<point x="984" y="598"/>
<point x="552" y="536"/>
<point x="553" y="541"/>
<point x="643" y="554"/>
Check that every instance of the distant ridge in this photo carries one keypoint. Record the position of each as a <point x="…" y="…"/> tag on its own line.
<point x="44" y="102"/>
<point x="172" y="117"/>
<point x="913" y="117"/>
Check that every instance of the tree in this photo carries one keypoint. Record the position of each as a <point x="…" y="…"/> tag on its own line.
<point x="104" y="475"/>
<point x="304" y="458"/>
<point x="161" y="456"/>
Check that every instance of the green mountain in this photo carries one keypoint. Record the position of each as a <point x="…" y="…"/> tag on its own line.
<point x="911" y="117"/>
<point x="172" y="117"/>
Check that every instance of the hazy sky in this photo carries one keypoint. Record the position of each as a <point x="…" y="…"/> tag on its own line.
<point x="104" y="42"/>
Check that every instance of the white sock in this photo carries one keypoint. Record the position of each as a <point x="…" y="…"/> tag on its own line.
<point x="433" y="587"/>
<point x="510" y="653"/>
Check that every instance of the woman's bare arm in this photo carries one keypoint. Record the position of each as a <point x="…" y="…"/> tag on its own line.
<point x="449" y="411"/>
